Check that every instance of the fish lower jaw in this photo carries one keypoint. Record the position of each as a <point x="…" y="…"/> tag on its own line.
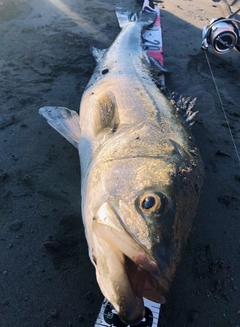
<point x="124" y="280"/>
<point x="128" y="301"/>
<point x="131" y="315"/>
<point x="126" y="271"/>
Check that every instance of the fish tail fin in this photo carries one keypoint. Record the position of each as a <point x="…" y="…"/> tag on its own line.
<point x="147" y="16"/>
<point x="123" y="16"/>
<point x="64" y="121"/>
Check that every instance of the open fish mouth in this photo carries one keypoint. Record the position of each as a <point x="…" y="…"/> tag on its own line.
<point x="126" y="272"/>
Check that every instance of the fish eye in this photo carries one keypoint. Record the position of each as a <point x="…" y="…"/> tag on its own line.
<point x="150" y="203"/>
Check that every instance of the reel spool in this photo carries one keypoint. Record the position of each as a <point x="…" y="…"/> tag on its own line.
<point x="222" y="34"/>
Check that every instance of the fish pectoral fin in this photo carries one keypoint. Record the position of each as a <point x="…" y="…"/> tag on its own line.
<point x="64" y="121"/>
<point x="106" y="114"/>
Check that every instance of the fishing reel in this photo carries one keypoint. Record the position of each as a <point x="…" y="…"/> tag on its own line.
<point x="223" y="34"/>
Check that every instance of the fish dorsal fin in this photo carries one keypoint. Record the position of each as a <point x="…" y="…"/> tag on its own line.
<point x="64" y="121"/>
<point x="106" y="114"/>
<point x="98" y="53"/>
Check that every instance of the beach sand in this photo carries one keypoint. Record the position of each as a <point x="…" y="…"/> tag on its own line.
<point x="46" y="277"/>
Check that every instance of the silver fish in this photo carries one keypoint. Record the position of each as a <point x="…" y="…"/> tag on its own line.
<point x="141" y="173"/>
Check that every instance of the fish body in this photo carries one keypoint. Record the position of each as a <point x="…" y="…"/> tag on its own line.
<point x="141" y="173"/>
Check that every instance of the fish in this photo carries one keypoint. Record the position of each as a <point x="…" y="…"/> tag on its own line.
<point x="141" y="172"/>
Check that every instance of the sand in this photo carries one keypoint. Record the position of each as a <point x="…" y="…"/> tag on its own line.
<point x="46" y="278"/>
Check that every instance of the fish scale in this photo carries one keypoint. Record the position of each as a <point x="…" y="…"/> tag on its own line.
<point x="124" y="58"/>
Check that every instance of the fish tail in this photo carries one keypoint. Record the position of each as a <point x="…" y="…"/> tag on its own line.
<point x="123" y="16"/>
<point x="147" y="16"/>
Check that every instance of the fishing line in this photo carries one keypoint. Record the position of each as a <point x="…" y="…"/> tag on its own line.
<point x="222" y="106"/>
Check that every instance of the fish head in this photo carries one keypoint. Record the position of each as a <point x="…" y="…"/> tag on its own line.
<point x="140" y="219"/>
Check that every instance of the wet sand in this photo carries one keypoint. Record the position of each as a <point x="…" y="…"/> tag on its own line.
<point x="46" y="278"/>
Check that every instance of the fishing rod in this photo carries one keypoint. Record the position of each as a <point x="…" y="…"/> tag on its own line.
<point x="223" y="34"/>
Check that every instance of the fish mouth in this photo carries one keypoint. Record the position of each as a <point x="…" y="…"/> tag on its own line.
<point x="126" y="272"/>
